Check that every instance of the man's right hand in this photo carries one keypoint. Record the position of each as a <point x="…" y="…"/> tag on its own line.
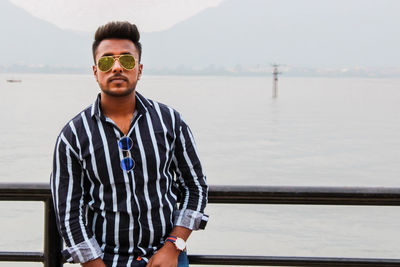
<point x="94" y="263"/>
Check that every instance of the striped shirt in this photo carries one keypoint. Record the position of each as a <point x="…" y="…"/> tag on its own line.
<point x="118" y="215"/>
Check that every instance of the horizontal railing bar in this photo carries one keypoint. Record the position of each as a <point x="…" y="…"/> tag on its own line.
<point x="21" y="256"/>
<point x="25" y="191"/>
<point x="369" y="196"/>
<point x="240" y="260"/>
<point x="289" y="261"/>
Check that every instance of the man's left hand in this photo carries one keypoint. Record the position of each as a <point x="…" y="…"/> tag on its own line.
<point x="167" y="256"/>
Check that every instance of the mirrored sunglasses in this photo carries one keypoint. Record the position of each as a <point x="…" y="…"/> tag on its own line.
<point x="107" y="62"/>
<point x="126" y="144"/>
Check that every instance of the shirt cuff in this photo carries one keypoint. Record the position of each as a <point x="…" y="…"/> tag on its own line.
<point x="190" y="219"/>
<point x="85" y="251"/>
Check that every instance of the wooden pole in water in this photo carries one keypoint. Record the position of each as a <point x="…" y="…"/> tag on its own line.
<point x="275" y="81"/>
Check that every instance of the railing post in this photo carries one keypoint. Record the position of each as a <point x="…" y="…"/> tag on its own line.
<point x="52" y="240"/>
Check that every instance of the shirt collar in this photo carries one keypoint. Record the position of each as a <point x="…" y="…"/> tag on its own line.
<point x="142" y="105"/>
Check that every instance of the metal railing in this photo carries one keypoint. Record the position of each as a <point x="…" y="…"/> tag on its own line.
<point x="51" y="256"/>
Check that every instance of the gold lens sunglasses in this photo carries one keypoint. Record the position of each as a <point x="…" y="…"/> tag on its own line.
<point x="107" y="62"/>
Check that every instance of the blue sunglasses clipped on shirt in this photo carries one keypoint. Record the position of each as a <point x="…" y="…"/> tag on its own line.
<point x="126" y="144"/>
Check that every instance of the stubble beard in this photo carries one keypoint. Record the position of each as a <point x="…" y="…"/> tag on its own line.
<point x="124" y="93"/>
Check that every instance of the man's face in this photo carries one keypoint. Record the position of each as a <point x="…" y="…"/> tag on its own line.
<point x="117" y="81"/>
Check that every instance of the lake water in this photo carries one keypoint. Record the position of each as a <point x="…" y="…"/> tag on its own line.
<point x="317" y="132"/>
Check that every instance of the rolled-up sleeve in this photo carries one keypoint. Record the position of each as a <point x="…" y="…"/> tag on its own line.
<point x="192" y="181"/>
<point x="68" y="197"/>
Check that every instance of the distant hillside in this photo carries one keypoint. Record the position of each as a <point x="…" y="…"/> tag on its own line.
<point x="30" y="41"/>
<point x="236" y="34"/>
<point x="309" y="33"/>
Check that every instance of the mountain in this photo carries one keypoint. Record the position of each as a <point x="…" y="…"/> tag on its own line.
<point x="309" y="33"/>
<point x="26" y="40"/>
<point x="237" y="33"/>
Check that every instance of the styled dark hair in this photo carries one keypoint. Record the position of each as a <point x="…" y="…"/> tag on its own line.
<point x="117" y="30"/>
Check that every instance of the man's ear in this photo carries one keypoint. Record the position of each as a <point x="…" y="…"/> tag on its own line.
<point x="95" y="72"/>
<point x="140" y="71"/>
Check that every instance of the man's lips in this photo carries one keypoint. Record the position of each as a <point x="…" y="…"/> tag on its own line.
<point x="117" y="78"/>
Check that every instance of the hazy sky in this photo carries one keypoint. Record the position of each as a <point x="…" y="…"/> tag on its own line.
<point x="151" y="15"/>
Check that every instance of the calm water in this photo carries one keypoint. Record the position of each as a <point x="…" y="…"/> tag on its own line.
<point x="318" y="132"/>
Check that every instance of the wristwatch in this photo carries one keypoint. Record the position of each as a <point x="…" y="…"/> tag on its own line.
<point x="179" y="243"/>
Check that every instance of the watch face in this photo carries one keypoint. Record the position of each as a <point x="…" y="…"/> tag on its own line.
<point x="180" y="244"/>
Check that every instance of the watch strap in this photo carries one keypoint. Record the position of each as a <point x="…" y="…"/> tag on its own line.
<point x="172" y="239"/>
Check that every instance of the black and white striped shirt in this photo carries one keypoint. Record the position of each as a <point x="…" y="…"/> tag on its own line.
<point x="105" y="211"/>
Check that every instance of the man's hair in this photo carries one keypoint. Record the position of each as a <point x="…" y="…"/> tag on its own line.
<point x="117" y="30"/>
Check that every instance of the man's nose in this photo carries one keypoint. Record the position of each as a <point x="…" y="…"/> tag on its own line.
<point x="117" y="66"/>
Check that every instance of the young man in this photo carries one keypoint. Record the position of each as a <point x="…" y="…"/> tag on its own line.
<point x="122" y="164"/>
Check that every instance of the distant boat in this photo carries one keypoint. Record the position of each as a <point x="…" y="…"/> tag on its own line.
<point x="14" y="81"/>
